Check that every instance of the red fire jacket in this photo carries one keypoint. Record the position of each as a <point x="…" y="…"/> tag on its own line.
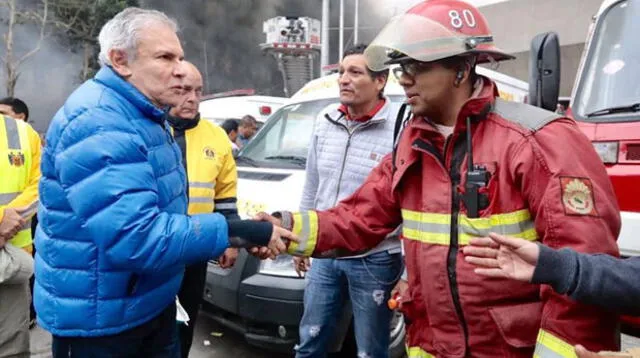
<point x="546" y="184"/>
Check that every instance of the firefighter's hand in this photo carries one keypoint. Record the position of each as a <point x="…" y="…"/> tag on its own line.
<point x="11" y="224"/>
<point x="228" y="259"/>
<point x="503" y="257"/>
<point x="280" y="239"/>
<point x="582" y="352"/>
<point x="301" y="264"/>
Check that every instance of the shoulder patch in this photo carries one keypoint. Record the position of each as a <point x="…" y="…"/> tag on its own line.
<point x="527" y="116"/>
<point x="577" y="196"/>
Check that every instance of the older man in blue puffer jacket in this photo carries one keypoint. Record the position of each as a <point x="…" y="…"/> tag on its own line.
<point x="114" y="236"/>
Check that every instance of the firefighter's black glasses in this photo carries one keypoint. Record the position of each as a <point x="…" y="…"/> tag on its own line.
<point x="411" y="68"/>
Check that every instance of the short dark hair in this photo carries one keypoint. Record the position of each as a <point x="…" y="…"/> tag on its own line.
<point x="248" y="120"/>
<point x="230" y="125"/>
<point x="358" y="49"/>
<point x="17" y="105"/>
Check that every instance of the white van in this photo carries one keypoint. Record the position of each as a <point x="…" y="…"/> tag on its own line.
<point x="237" y="104"/>
<point x="264" y="299"/>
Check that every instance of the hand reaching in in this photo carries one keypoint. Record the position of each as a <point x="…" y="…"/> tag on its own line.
<point x="301" y="265"/>
<point x="504" y="257"/>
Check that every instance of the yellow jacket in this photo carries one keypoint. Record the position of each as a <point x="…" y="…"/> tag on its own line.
<point x="20" y="167"/>
<point x="211" y="169"/>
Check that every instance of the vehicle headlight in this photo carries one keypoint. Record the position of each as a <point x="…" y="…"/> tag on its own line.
<point x="281" y="266"/>
<point x="608" y="151"/>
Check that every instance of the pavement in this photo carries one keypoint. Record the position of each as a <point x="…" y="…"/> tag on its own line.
<point x="214" y="341"/>
<point x="210" y="341"/>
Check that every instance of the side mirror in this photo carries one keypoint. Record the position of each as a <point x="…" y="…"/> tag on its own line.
<point x="544" y="71"/>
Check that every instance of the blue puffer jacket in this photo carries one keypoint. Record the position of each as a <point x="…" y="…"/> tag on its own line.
<point x="113" y="238"/>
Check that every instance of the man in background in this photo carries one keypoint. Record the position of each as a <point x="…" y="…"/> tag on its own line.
<point x="15" y="108"/>
<point x="211" y="187"/>
<point x="248" y="127"/>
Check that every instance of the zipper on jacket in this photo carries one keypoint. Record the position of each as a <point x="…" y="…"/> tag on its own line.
<point x="350" y="132"/>
<point x="452" y="256"/>
<point x="344" y="163"/>
<point x="459" y="150"/>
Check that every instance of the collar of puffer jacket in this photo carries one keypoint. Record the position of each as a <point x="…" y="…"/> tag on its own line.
<point x="108" y="77"/>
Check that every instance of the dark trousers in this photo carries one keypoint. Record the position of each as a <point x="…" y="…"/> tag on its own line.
<point x="157" y="338"/>
<point x="190" y="296"/>
<point x="34" y="225"/>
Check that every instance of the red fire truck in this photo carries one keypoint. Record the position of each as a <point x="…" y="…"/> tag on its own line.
<point x="606" y="104"/>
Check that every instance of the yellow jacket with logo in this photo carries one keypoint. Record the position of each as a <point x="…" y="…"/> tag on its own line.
<point x="20" y="173"/>
<point x="211" y="169"/>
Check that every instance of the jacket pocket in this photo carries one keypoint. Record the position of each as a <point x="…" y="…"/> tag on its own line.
<point x="518" y="324"/>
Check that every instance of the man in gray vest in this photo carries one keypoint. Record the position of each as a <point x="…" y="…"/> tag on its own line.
<point x="346" y="145"/>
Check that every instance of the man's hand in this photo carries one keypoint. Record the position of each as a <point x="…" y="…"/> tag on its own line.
<point x="262" y="216"/>
<point x="265" y="252"/>
<point x="301" y="265"/>
<point x="504" y="257"/>
<point x="399" y="292"/>
<point x="261" y="252"/>
<point x="228" y="259"/>
<point x="11" y="224"/>
<point x="582" y="352"/>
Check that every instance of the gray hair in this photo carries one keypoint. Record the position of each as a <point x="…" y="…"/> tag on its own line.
<point x="122" y="32"/>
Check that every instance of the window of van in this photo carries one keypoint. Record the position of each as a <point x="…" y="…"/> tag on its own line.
<point x="284" y="140"/>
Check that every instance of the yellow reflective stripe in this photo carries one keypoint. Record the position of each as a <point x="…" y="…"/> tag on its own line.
<point x="13" y="136"/>
<point x="550" y="346"/>
<point x="432" y="218"/>
<point x="305" y="226"/>
<point x="435" y="229"/>
<point x="496" y="219"/>
<point x="417" y="352"/>
<point x="202" y="184"/>
<point x="6" y="198"/>
<point x="426" y="237"/>
<point x="23" y="237"/>
<point x="530" y="235"/>
<point x="200" y="200"/>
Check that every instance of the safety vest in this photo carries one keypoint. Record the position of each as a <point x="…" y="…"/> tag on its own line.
<point x="211" y="169"/>
<point x="15" y="164"/>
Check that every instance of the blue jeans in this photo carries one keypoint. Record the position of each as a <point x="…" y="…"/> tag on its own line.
<point x="367" y="282"/>
<point x="157" y="338"/>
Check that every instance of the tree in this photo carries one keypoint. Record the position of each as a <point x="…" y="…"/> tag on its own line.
<point x="81" y="21"/>
<point x="11" y="60"/>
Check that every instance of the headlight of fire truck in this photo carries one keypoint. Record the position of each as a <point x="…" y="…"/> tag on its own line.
<point x="608" y="151"/>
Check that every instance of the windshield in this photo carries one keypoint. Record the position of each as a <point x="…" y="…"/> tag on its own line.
<point x="612" y="66"/>
<point x="285" y="137"/>
<point x="284" y="140"/>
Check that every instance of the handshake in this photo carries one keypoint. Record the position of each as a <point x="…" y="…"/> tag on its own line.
<point x="279" y="242"/>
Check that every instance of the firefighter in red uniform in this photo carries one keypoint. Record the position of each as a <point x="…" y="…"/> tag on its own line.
<point x="466" y="164"/>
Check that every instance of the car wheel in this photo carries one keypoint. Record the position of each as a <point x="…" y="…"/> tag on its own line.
<point x="397" y="331"/>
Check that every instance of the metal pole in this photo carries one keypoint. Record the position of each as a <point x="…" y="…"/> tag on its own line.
<point x="341" y="49"/>
<point x="355" y="23"/>
<point x="324" y="57"/>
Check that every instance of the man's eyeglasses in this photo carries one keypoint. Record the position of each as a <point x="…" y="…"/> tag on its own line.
<point x="410" y="68"/>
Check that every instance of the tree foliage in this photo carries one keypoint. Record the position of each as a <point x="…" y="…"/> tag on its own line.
<point x="80" y="22"/>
